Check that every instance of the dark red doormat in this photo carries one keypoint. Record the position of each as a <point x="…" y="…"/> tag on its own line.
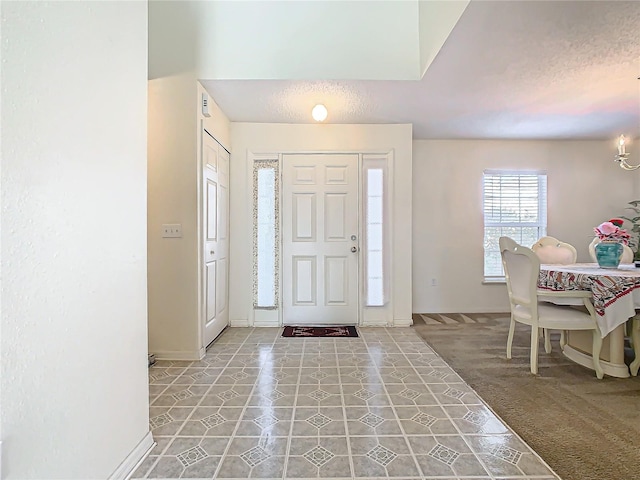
<point x="347" y="331"/>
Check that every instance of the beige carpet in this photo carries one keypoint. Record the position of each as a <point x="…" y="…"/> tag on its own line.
<point x="584" y="428"/>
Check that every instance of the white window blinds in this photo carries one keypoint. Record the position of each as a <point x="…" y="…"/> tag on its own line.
<point x="515" y="206"/>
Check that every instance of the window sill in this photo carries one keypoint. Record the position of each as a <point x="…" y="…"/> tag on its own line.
<point x="494" y="281"/>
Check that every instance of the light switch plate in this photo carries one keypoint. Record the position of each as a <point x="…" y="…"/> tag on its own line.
<point x="172" y="230"/>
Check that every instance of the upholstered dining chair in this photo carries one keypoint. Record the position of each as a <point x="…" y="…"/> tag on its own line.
<point x="521" y="269"/>
<point x="627" y="253"/>
<point x="552" y="251"/>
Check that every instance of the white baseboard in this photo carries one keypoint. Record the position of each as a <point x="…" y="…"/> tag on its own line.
<point x="241" y="322"/>
<point x="374" y="324"/>
<point x="134" y="459"/>
<point x="194" y="355"/>
<point x="402" y="322"/>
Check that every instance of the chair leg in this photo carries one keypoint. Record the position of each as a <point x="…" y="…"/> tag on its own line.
<point x="563" y="339"/>
<point x="597" y="346"/>
<point x="635" y="341"/>
<point x="534" y="351"/>
<point x="547" y="340"/>
<point x="512" y="327"/>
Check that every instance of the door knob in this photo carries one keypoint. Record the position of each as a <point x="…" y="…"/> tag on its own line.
<point x="212" y="252"/>
<point x="354" y="249"/>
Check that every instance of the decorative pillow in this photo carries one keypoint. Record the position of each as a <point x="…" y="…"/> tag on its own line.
<point x="552" y="254"/>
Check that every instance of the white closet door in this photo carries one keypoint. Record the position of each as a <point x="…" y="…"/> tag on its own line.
<point x="215" y="223"/>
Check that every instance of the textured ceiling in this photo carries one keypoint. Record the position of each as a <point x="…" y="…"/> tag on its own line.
<point x="509" y="70"/>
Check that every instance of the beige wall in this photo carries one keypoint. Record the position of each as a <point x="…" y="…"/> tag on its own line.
<point x="585" y="188"/>
<point x="74" y="317"/>
<point x="286" y="138"/>
<point x="173" y="197"/>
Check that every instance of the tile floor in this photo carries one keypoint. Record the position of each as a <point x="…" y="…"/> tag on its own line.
<point x="383" y="405"/>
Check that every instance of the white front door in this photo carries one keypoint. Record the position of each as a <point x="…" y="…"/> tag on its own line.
<point x="215" y="221"/>
<point x="320" y="239"/>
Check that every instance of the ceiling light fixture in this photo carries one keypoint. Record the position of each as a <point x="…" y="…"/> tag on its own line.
<point x="319" y="113"/>
<point x="623" y="155"/>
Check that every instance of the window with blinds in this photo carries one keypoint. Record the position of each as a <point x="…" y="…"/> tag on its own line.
<point x="515" y="205"/>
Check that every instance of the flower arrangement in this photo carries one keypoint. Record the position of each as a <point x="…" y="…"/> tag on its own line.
<point x="611" y="231"/>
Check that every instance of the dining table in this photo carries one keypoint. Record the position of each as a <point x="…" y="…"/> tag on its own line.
<point x="615" y="297"/>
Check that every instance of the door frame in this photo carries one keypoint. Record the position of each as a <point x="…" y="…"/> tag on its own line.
<point x="367" y="316"/>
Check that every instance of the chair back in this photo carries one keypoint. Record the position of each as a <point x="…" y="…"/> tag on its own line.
<point x="521" y="270"/>
<point x="627" y="253"/>
<point x="552" y="251"/>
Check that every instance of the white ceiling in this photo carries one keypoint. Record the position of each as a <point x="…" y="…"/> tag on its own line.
<point x="508" y="70"/>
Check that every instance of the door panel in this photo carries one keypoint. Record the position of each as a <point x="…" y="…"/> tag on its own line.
<point x="304" y="217"/>
<point x="336" y="282"/>
<point x="304" y="280"/>
<point x="211" y="290"/>
<point x="215" y="217"/>
<point x="320" y="215"/>
<point x="335" y="216"/>
<point x="212" y="209"/>
<point x="221" y="282"/>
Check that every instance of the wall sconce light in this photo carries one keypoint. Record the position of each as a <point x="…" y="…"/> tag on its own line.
<point x="319" y="113"/>
<point x="623" y="155"/>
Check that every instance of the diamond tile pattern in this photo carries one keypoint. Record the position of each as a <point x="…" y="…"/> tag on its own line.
<point x="212" y="420"/>
<point x="319" y="420"/>
<point x="241" y="375"/>
<point x="319" y="395"/>
<point x="382" y="455"/>
<point x="265" y="421"/>
<point x="364" y="394"/>
<point x="409" y="394"/>
<point x="274" y="395"/>
<point x="319" y="375"/>
<point x="182" y="395"/>
<point x="199" y="376"/>
<point x="276" y="421"/>
<point x="444" y="454"/>
<point x="371" y="419"/>
<point x="475" y="418"/>
<point x="191" y="456"/>
<point x="280" y="375"/>
<point x="160" y="420"/>
<point x="160" y="375"/>
<point x="319" y="456"/>
<point x="254" y="456"/>
<point x="507" y="454"/>
<point x="424" y="419"/>
<point x="454" y="393"/>
<point x="228" y="395"/>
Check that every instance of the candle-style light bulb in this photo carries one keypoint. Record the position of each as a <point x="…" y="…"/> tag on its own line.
<point x="621" y="149"/>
